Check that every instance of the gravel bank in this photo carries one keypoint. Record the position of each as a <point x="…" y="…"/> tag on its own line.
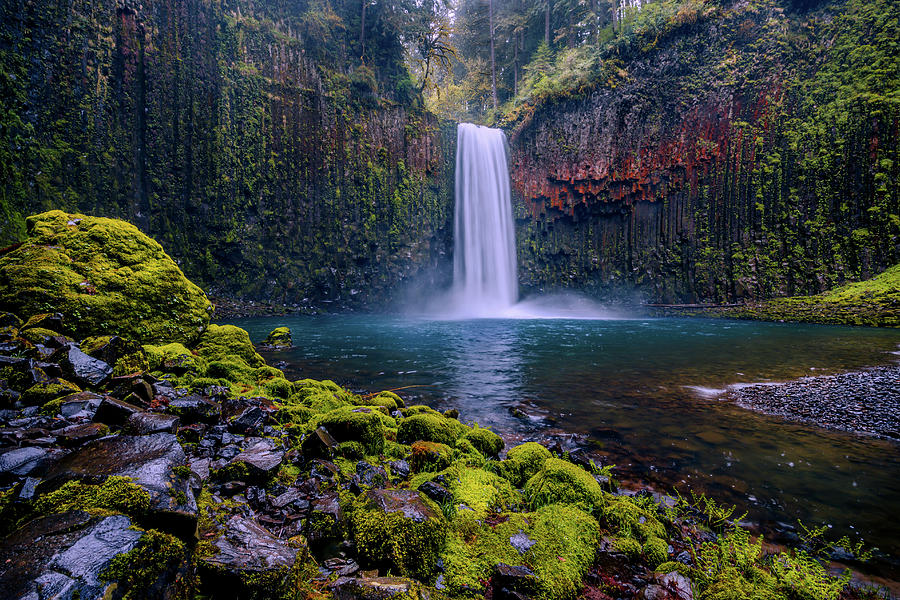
<point x="865" y="402"/>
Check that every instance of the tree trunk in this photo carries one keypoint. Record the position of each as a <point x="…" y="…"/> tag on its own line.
<point x="547" y="22"/>
<point x="493" y="68"/>
<point x="362" y="31"/>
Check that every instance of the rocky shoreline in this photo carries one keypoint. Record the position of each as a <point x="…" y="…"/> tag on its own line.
<point x="148" y="454"/>
<point x="866" y="402"/>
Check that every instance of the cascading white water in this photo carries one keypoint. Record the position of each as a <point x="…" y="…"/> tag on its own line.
<point x="484" y="263"/>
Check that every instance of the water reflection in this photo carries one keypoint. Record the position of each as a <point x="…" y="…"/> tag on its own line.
<point x="485" y="367"/>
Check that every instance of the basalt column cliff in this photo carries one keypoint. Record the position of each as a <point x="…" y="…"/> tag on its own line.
<point x="742" y="150"/>
<point x="274" y="157"/>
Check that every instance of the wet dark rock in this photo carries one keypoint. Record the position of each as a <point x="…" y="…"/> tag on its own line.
<point x="370" y="476"/>
<point x="399" y="469"/>
<point x="192" y="433"/>
<point x="318" y="444"/>
<point x="134" y="389"/>
<point x="512" y="578"/>
<point x="16" y="463"/>
<point x="63" y="555"/>
<point x="256" y="496"/>
<point x="261" y="457"/>
<point x="292" y="499"/>
<point x="669" y="586"/>
<point x="339" y="567"/>
<point x="113" y="411"/>
<point x="325" y="518"/>
<point x="324" y="470"/>
<point x="248" y="422"/>
<point x="200" y="467"/>
<point x="84" y="369"/>
<point x="231" y="488"/>
<point x="150" y="460"/>
<point x="82" y="405"/>
<point x="244" y="549"/>
<point x="52" y="370"/>
<point x="436" y="492"/>
<point x="76" y="435"/>
<point x="195" y="409"/>
<point x="144" y="423"/>
<point x="228" y="452"/>
<point x="374" y="588"/>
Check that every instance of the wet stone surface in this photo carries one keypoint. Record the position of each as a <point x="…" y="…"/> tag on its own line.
<point x="63" y="555"/>
<point x="150" y="461"/>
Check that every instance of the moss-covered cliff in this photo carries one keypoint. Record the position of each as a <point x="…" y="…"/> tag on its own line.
<point x="246" y="137"/>
<point x="716" y="151"/>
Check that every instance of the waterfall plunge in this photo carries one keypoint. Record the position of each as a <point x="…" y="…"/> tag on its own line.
<point x="485" y="282"/>
<point x="484" y="264"/>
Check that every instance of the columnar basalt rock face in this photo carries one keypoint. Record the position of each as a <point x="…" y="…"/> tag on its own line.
<point x="734" y="157"/>
<point x="267" y="172"/>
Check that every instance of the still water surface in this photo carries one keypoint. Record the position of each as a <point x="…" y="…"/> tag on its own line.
<point x="639" y="389"/>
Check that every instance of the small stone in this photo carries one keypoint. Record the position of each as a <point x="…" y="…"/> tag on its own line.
<point x="84" y="369"/>
<point x="75" y="435"/>
<point x="318" y="444"/>
<point x="436" y="492"/>
<point x="521" y="542"/>
<point x="114" y="412"/>
<point x="144" y="423"/>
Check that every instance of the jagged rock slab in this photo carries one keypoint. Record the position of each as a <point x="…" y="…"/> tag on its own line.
<point x="150" y="461"/>
<point x="63" y="555"/>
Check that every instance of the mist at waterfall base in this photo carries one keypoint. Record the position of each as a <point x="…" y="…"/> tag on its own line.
<point x="485" y="282"/>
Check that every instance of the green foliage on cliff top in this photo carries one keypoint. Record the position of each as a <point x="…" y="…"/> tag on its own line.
<point x="104" y="276"/>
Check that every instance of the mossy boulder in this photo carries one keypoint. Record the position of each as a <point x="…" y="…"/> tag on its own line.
<point x="627" y="518"/>
<point x="523" y="461"/>
<point x="558" y="543"/>
<point x="105" y="277"/>
<point x="173" y="358"/>
<point x="399" y="529"/>
<point x="356" y="424"/>
<point x="430" y="427"/>
<point x="561" y="482"/>
<point x="485" y="441"/>
<point x="222" y="342"/>
<point x="279" y="338"/>
<point x="429" y="456"/>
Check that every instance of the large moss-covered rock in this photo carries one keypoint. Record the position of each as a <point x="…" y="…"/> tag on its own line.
<point x="557" y="543"/>
<point x="523" y="461"/>
<point x="562" y="482"/>
<point x="224" y="342"/>
<point x="104" y="276"/>
<point x="399" y="529"/>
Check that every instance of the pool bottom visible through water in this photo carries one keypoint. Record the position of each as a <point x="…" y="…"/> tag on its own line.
<point x="641" y="393"/>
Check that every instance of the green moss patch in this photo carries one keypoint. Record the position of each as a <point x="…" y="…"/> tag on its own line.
<point x="220" y="342"/>
<point x="430" y="428"/>
<point x="561" y="545"/>
<point x="523" y="462"/>
<point x="359" y="424"/>
<point x="561" y="482"/>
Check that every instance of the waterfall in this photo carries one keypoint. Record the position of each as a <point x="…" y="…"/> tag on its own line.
<point x="484" y="264"/>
